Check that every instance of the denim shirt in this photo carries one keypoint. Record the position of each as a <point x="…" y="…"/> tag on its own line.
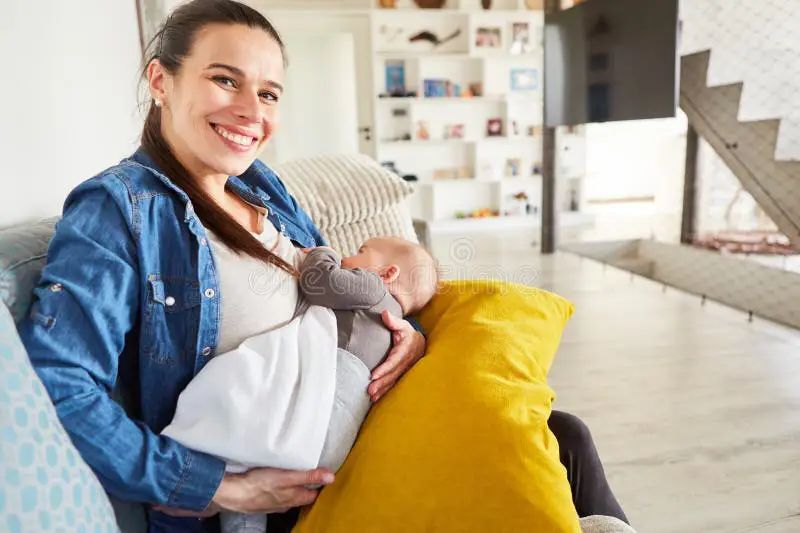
<point x="130" y="297"/>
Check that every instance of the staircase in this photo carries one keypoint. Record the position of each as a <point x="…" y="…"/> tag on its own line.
<point x="740" y="89"/>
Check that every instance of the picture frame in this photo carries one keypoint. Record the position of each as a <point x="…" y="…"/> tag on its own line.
<point x="524" y="79"/>
<point x="488" y="37"/>
<point x="396" y="77"/>
<point x="494" y="127"/>
<point x="520" y="38"/>
<point x="513" y="167"/>
<point x="454" y="131"/>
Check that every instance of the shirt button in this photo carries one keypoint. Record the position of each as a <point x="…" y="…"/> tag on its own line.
<point x="206" y="351"/>
<point x="170" y="301"/>
<point x="209" y="293"/>
<point x="203" y="241"/>
<point x="55" y="287"/>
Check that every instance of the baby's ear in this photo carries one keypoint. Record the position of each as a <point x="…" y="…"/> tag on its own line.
<point x="390" y="273"/>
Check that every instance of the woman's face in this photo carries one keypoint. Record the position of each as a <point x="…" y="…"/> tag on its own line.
<point x="221" y="107"/>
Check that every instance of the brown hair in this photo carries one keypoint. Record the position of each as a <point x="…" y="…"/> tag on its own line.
<point x="171" y="45"/>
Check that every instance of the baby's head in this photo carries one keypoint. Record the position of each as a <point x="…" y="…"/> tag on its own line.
<point x="408" y="270"/>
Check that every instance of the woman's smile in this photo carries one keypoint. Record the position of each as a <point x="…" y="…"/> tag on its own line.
<point x="235" y="138"/>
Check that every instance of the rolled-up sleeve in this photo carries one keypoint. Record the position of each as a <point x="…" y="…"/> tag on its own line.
<point x="86" y="303"/>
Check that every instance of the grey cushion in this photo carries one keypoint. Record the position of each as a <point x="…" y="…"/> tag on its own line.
<point x="23" y="250"/>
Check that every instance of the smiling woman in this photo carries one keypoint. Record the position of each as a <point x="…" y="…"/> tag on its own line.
<point x="213" y="109"/>
<point x="150" y="274"/>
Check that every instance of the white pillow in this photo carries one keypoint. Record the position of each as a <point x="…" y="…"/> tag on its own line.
<point x="344" y="189"/>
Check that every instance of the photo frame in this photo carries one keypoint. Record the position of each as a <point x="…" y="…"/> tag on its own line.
<point x="524" y="79"/>
<point x="494" y="127"/>
<point x="520" y="38"/>
<point x="454" y="131"/>
<point x="513" y="167"/>
<point x="396" y="77"/>
<point x="488" y="37"/>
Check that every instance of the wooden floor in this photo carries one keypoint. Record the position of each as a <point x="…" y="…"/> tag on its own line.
<point x="695" y="411"/>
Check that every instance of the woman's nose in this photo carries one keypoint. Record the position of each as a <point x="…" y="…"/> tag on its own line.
<point x="250" y="108"/>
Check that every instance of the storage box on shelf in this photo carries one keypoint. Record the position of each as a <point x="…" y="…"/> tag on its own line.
<point x="459" y="106"/>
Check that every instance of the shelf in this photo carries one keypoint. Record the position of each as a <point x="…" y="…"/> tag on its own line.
<point x="442" y="99"/>
<point x="421" y="54"/>
<point x="431" y="142"/>
<point x="564" y="219"/>
<point x="460" y="56"/>
<point x="520" y="180"/>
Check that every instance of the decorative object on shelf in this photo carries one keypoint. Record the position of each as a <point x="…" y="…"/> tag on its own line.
<point x="390" y="33"/>
<point x="476" y="89"/>
<point x="387" y="3"/>
<point x="396" y="77"/>
<point x="513" y="166"/>
<point x="520" y="38"/>
<point x="487" y="4"/>
<point x="488" y="37"/>
<point x="534" y="131"/>
<point x="483" y="212"/>
<point x="436" y="88"/>
<point x="430" y="4"/>
<point x="514" y="128"/>
<point x="520" y="206"/>
<point x="494" y="127"/>
<point x="390" y="166"/>
<point x="399" y="112"/>
<point x="430" y="37"/>
<point x="524" y="79"/>
<point x="573" y="200"/>
<point x="423" y="133"/>
<point x="454" y="173"/>
<point x="536" y="169"/>
<point x="454" y="131"/>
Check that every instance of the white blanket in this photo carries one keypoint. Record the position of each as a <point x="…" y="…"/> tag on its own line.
<point x="267" y="403"/>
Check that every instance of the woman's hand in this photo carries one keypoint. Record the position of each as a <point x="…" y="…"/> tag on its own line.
<point x="408" y="348"/>
<point x="261" y="490"/>
<point x="269" y="490"/>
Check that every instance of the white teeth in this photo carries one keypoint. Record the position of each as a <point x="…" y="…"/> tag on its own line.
<point x="238" y="139"/>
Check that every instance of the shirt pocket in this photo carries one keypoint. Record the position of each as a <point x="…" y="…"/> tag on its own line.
<point x="172" y="317"/>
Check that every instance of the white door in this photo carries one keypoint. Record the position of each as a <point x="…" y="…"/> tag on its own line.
<point x="326" y="106"/>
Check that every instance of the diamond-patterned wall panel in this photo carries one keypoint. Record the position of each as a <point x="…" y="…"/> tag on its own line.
<point x="748" y="148"/>
<point x="731" y="280"/>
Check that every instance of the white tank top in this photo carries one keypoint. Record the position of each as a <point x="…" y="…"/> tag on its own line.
<point x="254" y="296"/>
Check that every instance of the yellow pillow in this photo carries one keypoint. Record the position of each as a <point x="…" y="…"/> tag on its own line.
<point x="461" y="444"/>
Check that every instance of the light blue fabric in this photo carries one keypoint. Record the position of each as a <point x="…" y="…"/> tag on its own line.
<point x="44" y="484"/>
<point x="22" y="256"/>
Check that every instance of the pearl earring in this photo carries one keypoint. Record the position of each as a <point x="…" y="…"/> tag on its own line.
<point x="158" y="103"/>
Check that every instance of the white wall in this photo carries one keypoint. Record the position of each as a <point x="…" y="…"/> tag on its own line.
<point x="67" y="100"/>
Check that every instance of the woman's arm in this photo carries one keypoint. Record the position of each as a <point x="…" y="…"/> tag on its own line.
<point x="86" y="303"/>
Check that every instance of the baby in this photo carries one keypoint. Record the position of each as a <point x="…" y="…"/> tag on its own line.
<point x="386" y="274"/>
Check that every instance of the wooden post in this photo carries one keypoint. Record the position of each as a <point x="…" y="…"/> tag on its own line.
<point x="689" y="216"/>
<point x="548" y="164"/>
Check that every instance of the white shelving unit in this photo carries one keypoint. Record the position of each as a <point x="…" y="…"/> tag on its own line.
<point x="458" y="176"/>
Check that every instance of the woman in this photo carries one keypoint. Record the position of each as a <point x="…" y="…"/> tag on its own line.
<point x="152" y="271"/>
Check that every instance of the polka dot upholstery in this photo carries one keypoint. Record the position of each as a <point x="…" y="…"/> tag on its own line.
<point x="44" y="484"/>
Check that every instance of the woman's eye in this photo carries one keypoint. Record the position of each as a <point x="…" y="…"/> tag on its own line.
<point x="224" y="81"/>
<point x="268" y="97"/>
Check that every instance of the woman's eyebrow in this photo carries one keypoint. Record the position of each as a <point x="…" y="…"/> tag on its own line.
<point x="240" y="73"/>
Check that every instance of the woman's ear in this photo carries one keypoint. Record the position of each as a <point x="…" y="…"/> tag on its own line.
<point x="157" y="81"/>
<point x="390" y="273"/>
